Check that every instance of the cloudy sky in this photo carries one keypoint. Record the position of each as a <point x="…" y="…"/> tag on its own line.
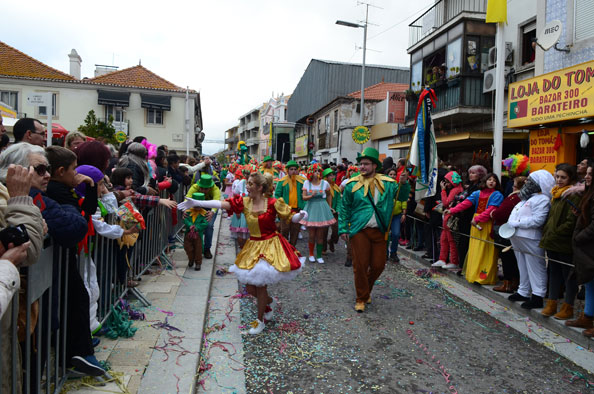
<point x="235" y="52"/>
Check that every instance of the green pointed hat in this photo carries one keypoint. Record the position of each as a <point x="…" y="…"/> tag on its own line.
<point x="205" y="181"/>
<point x="327" y="171"/>
<point x="266" y="158"/>
<point x="291" y="163"/>
<point x="371" y="154"/>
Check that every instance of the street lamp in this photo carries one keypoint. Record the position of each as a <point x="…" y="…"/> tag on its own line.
<point x="356" y="25"/>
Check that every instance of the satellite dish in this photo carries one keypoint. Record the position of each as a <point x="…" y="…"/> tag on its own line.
<point x="550" y="34"/>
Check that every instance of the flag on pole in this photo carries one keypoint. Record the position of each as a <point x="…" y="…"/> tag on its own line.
<point x="496" y="11"/>
<point x="423" y="150"/>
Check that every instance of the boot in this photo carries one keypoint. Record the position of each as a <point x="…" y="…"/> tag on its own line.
<point x="190" y="263"/>
<point x="505" y="287"/>
<point x="565" y="313"/>
<point x="582" y="322"/>
<point x="197" y="267"/>
<point x="535" y="302"/>
<point x="550" y="309"/>
<point x="588" y="333"/>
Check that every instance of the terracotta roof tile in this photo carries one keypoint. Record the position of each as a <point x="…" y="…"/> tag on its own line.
<point x="15" y="63"/>
<point x="380" y="90"/>
<point x="136" y="76"/>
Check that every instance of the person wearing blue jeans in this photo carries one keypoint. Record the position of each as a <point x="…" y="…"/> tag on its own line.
<point x="208" y="235"/>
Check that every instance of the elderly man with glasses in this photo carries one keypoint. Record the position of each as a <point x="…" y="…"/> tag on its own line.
<point x="29" y="130"/>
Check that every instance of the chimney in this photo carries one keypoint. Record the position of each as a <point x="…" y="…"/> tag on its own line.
<point x="75" y="62"/>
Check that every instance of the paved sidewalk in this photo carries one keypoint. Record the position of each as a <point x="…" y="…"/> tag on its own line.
<point x="558" y="326"/>
<point x="157" y="360"/>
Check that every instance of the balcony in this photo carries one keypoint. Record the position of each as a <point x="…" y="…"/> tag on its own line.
<point x="461" y="96"/>
<point x="254" y="124"/>
<point x="232" y="140"/>
<point x="252" y="141"/>
<point x="440" y="14"/>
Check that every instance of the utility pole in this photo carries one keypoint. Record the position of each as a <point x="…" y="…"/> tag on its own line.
<point x="499" y="101"/>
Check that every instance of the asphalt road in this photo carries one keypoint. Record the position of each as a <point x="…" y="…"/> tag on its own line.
<point x="414" y="338"/>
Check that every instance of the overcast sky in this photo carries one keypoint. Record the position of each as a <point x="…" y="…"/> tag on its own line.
<point x="235" y="52"/>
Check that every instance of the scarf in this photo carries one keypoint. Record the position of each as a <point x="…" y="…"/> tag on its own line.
<point x="558" y="191"/>
<point x="530" y="188"/>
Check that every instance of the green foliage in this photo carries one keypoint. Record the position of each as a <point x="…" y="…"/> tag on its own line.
<point x="96" y="128"/>
<point x="222" y="159"/>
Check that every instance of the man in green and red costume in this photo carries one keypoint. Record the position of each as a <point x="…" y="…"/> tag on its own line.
<point x="289" y="188"/>
<point x="364" y="218"/>
<point x="266" y="167"/>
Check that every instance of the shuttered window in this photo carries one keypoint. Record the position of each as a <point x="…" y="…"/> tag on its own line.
<point x="584" y="19"/>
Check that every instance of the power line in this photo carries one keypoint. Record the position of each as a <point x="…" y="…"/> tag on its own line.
<point x="402" y="21"/>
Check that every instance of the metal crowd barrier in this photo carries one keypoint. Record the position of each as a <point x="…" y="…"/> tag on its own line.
<point x="36" y="363"/>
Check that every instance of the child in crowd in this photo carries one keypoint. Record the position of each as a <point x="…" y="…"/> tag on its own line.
<point x="195" y="223"/>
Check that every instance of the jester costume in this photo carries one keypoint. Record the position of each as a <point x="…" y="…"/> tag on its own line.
<point x="289" y="189"/>
<point x="195" y="223"/>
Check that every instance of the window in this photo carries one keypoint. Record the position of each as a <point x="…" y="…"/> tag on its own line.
<point x="417" y="76"/>
<point x="453" y="58"/>
<point x="10" y="98"/>
<point x="42" y="111"/>
<point x="319" y="126"/>
<point x="116" y="112"/>
<point x="472" y="54"/>
<point x="327" y="124"/>
<point x="154" y="116"/>
<point x="583" y="20"/>
<point x="335" y="122"/>
<point x="527" y="34"/>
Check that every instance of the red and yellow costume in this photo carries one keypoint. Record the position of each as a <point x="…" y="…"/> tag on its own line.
<point x="267" y="256"/>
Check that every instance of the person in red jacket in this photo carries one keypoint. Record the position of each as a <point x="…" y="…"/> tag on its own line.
<point x="451" y="186"/>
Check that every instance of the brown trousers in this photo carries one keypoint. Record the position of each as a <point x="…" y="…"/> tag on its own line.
<point x="290" y="230"/>
<point x="193" y="248"/>
<point x="369" y="260"/>
<point x="334" y="237"/>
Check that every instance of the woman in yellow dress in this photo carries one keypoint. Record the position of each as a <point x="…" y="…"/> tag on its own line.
<point x="267" y="257"/>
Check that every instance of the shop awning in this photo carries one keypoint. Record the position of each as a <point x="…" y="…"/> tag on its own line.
<point x="156" y="102"/>
<point x="460" y="137"/>
<point x="110" y="97"/>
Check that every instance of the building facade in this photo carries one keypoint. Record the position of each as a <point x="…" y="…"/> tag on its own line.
<point x="140" y="102"/>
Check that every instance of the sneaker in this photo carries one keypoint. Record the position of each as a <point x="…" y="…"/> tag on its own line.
<point x="517" y="297"/>
<point x="439" y="264"/>
<point x="449" y="266"/>
<point x="87" y="365"/>
<point x="320" y="260"/>
<point x="257" y="327"/>
<point x="312" y="259"/>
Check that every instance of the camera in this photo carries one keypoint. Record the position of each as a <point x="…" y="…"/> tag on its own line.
<point x="16" y="235"/>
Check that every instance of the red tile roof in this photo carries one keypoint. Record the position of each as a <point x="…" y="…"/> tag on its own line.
<point x="137" y="76"/>
<point x="16" y="64"/>
<point x="380" y="90"/>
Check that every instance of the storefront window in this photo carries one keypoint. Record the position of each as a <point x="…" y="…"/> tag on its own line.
<point x="453" y="58"/>
<point x="417" y="76"/>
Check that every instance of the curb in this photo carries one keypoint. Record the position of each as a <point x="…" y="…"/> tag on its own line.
<point x="557" y="326"/>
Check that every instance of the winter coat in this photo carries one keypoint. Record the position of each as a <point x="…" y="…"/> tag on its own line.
<point x="65" y="224"/>
<point x="583" y="248"/>
<point x="558" y="230"/>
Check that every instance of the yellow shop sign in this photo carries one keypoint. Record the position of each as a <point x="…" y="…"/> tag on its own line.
<point x="558" y="96"/>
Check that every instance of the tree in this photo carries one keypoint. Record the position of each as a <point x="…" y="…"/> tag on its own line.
<point x="222" y="158"/>
<point x="96" y="128"/>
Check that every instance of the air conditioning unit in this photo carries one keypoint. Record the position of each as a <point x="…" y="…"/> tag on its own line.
<point x="509" y="55"/>
<point x="489" y="80"/>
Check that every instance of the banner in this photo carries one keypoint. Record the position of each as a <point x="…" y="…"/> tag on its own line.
<point x="423" y="150"/>
<point x="543" y="155"/>
<point x="558" y="96"/>
<point x="301" y="146"/>
<point x="396" y="102"/>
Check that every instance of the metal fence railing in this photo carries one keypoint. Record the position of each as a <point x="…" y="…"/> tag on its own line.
<point x="33" y="331"/>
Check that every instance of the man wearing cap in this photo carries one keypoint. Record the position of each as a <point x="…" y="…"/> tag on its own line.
<point x="266" y="167"/>
<point x="207" y="186"/>
<point x="336" y="196"/>
<point x="364" y="218"/>
<point x="289" y="188"/>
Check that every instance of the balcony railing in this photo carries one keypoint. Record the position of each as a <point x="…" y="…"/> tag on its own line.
<point x="440" y="14"/>
<point x="232" y="140"/>
<point x="466" y="91"/>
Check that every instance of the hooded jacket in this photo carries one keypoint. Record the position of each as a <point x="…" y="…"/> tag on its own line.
<point x="528" y="217"/>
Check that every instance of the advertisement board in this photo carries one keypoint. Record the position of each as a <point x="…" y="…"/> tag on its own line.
<point x="542" y="153"/>
<point x="558" y="96"/>
<point x="301" y="146"/>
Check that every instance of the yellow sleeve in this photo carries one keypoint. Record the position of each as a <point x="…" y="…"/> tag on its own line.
<point x="193" y="189"/>
<point x="283" y="210"/>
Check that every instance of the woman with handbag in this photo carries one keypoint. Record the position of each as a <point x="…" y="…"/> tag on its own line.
<point x="450" y="188"/>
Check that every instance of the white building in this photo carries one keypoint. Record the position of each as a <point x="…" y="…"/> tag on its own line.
<point x="141" y="102"/>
